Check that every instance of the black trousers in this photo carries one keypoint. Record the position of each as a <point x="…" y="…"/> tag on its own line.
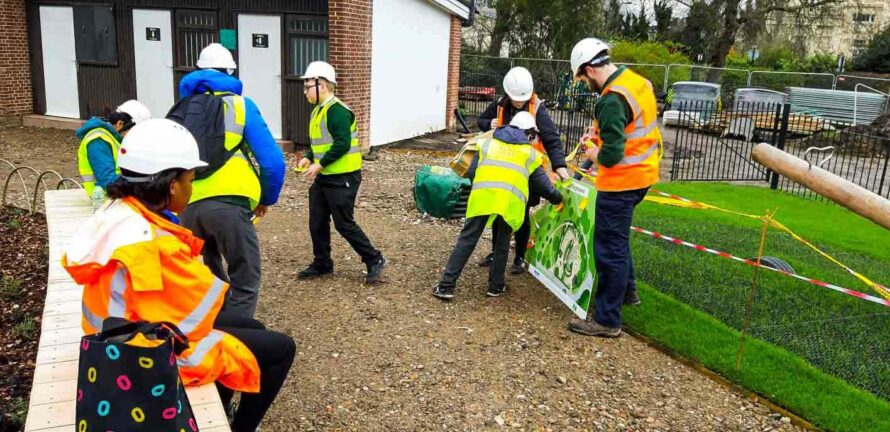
<point x="231" y="249"/>
<point x="466" y="243"/>
<point x="333" y="197"/>
<point x="275" y="354"/>
<point x="522" y="235"/>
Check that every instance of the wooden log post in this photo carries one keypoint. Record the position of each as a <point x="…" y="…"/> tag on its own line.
<point x="850" y="195"/>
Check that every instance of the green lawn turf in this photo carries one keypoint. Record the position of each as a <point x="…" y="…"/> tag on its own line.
<point x="806" y="333"/>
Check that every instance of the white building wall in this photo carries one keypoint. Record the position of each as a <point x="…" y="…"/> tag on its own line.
<point x="409" y="69"/>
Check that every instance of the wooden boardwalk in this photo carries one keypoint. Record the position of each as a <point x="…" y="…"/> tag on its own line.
<point x="51" y="408"/>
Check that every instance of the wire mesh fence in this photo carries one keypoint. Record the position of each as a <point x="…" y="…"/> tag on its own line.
<point x="839" y="334"/>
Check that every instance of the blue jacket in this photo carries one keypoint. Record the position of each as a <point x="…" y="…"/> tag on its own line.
<point x="99" y="153"/>
<point x="538" y="182"/>
<point x="264" y="148"/>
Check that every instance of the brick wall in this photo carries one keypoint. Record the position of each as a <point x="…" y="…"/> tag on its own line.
<point x="453" y="72"/>
<point x="15" y="66"/>
<point x="350" y="54"/>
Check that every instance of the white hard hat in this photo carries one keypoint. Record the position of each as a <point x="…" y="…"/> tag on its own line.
<point x="320" y="69"/>
<point x="156" y="145"/>
<point x="589" y="51"/>
<point x="216" y="56"/>
<point x="518" y="84"/>
<point x="524" y="120"/>
<point x="137" y="110"/>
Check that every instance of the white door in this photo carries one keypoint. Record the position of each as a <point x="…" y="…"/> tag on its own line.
<point x="59" y="61"/>
<point x="259" y="65"/>
<point x="153" y="45"/>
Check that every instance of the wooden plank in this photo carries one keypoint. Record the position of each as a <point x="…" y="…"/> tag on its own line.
<point x="210" y="415"/>
<point x="61" y="308"/>
<point x="63" y="295"/>
<point x="63" y="285"/>
<point x="57" y="354"/>
<point x="57" y="322"/>
<point x="50" y="415"/>
<point x="47" y="373"/>
<point x="52" y="392"/>
<point x="60" y="337"/>
<point x="202" y="395"/>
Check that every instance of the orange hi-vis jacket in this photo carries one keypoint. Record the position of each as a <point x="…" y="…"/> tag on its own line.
<point x="136" y="265"/>
<point x="642" y="150"/>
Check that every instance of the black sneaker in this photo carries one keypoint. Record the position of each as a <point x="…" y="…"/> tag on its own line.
<point x="375" y="271"/>
<point x="631" y="298"/>
<point x="496" y="291"/>
<point x="314" y="271"/>
<point x="486" y="262"/>
<point x="518" y="267"/>
<point x="444" y="292"/>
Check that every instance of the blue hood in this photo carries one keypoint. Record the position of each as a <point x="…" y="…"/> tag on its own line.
<point x="511" y="135"/>
<point x="204" y="80"/>
<point x="94" y="123"/>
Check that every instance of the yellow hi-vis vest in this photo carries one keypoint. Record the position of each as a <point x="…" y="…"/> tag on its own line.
<point x="501" y="183"/>
<point x="321" y="140"/>
<point x="83" y="162"/>
<point x="237" y="177"/>
<point x="642" y="150"/>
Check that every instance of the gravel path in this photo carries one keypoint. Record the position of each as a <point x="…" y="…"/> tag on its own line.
<point x="391" y="357"/>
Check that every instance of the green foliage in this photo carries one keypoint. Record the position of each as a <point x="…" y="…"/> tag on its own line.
<point x="550" y="29"/>
<point x="10" y="288"/>
<point x="660" y="53"/>
<point x="14" y="224"/>
<point x="702" y="25"/>
<point x="664" y="13"/>
<point x="19" y="411"/>
<point x="876" y="57"/>
<point x="694" y="303"/>
<point x="27" y="328"/>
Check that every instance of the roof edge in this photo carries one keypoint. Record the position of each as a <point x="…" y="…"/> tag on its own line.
<point x="454" y="7"/>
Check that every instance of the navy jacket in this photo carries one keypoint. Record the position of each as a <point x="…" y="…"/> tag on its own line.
<point x="538" y="182"/>
<point x="548" y="132"/>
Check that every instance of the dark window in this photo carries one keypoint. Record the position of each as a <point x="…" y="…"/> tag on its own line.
<point x="307" y="41"/>
<point x="863" y="17"/>
<point x="860" y="43"/>
<point x="95" y="37"/>
<point x="194" y="31"/>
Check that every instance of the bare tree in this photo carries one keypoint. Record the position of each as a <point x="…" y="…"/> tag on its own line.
<point x="752" y="16"/>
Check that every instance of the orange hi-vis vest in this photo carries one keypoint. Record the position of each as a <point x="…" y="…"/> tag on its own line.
<point x="533" y="105"/>
<point x="642" y="150"/>
<point x="136" y="265"/>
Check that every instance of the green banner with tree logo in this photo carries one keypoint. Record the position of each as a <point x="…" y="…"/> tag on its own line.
<point x="561" y="256"/>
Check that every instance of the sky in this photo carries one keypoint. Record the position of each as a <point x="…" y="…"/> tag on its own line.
<point x="633" y="6"/>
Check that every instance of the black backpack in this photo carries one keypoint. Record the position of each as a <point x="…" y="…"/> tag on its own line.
<point x="203" y="115"/>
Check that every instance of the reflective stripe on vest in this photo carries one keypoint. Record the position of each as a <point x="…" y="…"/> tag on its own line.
<point x="497" y="192"/>
<point x="321" y="140"/>
<point x="639" y="166"/>
<point x="201" y="349"/>
<point x="237" y="176"/>
<point x="85" y="170"/>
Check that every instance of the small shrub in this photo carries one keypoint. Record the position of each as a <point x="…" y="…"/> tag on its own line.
<point x="10" y="289"/>
<point x="27" y="328"/>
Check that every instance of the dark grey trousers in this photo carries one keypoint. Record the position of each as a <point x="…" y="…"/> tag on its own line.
<point x="231" y="250"/>
<point x="466" y="243"/>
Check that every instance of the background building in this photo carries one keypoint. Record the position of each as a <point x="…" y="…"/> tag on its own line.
<point x="397" y="60"/>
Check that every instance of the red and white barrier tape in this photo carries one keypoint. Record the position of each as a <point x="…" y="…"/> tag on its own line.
<point x="816" y="282"/>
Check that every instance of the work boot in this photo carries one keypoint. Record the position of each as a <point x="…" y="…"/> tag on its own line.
<point x="496" y="291"/>
<point x="444" y="292"/>
<point x="486" y="262"/>
<point x="518" y="267"/>
<point x="314" y="271"/>
<point x="631" y="298"/>
<point x="593" y="328"/>
<point x="375" y="271"/>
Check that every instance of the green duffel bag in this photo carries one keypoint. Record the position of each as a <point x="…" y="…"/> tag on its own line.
<point x="439" y="192"/>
